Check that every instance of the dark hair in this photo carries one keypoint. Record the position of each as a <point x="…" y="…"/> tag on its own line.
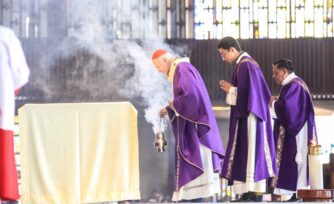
<point x="227" y="42"/>
<point x="284" y="63"/>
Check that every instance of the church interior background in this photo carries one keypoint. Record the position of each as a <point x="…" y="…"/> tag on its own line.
<point x="99" y="51"/>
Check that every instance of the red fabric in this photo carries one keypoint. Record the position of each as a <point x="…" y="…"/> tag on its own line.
<point x="157" y="53"/>
<point x="8" y="172"/>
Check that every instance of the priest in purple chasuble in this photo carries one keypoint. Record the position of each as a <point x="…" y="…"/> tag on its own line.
<point x="199" y="148"/>
<point x="250" y="153"/>
<point x="14" y="74"/>
<point x="294" y="129"/>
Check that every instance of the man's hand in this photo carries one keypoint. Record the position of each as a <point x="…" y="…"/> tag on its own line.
<point x="272" y="99"/>
<point x="313" y="142"/>
<point x="225" y="86"/>
<point x="163" y="112"/>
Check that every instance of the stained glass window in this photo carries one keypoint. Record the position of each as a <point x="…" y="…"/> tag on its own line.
<point x="263" y="18"/>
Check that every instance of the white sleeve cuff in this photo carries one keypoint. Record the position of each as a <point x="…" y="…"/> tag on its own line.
<point x="272" y="110"/>
<point x="231" y="97"/>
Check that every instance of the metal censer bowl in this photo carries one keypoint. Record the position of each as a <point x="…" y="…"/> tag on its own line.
<point x="160" y="142"/>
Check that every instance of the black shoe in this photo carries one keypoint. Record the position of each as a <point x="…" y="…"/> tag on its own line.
<point x="197" y="200"/>
<point x="293" y="199"/>
<point x="256" y="197"/>
<point x="246" y="197"/>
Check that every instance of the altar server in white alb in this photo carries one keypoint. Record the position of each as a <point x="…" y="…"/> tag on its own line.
<point x="14" y="73"/>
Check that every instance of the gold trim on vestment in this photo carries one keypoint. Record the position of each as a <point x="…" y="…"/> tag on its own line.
<point x="246" y="60"/>
<point x="173" y="67"/>
<point x="190" y="161"/>
<point x="178" y="153"/>
<point x="179" y="115"/>
<point x="279" y="149"/>
<point x="179" y="150"/>
<point x="268" y="154"/>
<point x="231" y="159"/>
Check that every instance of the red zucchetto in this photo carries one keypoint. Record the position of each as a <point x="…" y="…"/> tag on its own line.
<point x="157" y="53"/>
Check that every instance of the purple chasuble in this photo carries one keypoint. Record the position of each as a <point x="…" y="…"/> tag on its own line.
<point x="293" y="108"/>
<point x="253" y="97"/>
<point x="194" y="125"/>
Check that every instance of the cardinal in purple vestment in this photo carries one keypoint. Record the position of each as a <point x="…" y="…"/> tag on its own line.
<point x="250" y="153"/>
<point x="294" y="129"/>
<point x="199" y="148"/>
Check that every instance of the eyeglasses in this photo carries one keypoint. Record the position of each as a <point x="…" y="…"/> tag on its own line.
<point x="224" y="53"/>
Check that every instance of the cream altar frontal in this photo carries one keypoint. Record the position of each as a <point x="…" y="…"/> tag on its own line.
<point x="79" y="152"/>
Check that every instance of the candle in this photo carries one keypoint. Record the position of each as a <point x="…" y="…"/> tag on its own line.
<point x="315" y="167"/>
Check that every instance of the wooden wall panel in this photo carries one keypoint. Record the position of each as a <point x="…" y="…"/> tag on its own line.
<point x="313" y="60"/>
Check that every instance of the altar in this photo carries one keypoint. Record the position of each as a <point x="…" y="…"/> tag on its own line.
<point x="79" y="152"/>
